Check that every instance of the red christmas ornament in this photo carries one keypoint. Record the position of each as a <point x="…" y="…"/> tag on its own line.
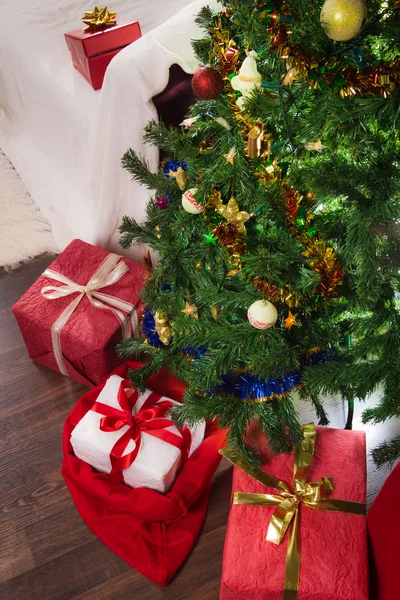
<point x="207" y="83"/>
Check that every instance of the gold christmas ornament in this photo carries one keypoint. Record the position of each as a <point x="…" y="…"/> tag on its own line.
<point x="181" y="178"/>
<point x="343" y="20"/>
<point x="254" y="142"/>
<point x="163" y="327"/>
<point x="233" y="215"/>
<point x="215" y="312"/>
<point x="98" y="18"/>
<point x="190" y="309"/>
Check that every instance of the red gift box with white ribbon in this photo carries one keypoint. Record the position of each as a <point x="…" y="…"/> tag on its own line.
<point x="73" y="316"/>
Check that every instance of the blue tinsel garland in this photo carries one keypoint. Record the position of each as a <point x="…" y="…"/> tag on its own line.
<point x="149" y="329"/>
<point x="246" y="385"/>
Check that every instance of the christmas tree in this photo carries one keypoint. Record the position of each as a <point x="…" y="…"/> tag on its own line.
<point x="275" y="218"/>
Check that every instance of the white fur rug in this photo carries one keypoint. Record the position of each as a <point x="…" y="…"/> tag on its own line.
<point x="24" y="233"/>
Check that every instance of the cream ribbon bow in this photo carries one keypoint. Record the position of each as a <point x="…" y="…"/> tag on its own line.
<point x="108" y="273"/>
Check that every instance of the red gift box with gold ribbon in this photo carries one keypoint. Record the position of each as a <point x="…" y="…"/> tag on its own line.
<point x="297" y="527"/>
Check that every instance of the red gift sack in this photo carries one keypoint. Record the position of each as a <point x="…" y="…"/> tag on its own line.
<point x="152" y="532"/>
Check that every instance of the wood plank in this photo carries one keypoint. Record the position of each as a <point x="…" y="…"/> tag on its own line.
<point x="66" y="576"/>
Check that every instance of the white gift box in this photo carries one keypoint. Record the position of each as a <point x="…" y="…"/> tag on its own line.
<point x="156" y="463"/>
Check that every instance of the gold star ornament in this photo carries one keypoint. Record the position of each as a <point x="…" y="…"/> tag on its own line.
<point x="230" y="155"/>
<point x="98" y="18"/>
<point x="318" y="146"/>
<point x="233" y="215"/>
<point x="190" y="309"/>
<point x="290" y="321"/>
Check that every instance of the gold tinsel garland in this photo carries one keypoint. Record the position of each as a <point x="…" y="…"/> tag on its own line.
<point x="322" y="258"/>
<point x="380" y="79"/>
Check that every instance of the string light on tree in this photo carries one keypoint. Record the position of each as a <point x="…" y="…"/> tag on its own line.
<point x="223" y="122"/>
<point x="189" y="121"/>
<point x="343" y="20"/>
<point x="262" y="314"/>
<point x="232" y="272"/>
<point x="290" y="75"/>
<point x="290" y="321"/>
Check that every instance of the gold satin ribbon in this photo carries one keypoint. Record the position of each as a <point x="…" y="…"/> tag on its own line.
<point x="108" y="273"/>
<point x="286" y="514"/>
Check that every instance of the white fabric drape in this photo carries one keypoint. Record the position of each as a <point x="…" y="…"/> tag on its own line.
<point x="66" y="140"/>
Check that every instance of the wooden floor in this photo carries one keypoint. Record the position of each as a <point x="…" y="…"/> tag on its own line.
<point x="46" y="552"/>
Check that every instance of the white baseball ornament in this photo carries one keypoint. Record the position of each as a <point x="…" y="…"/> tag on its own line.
<point x="189" y="202"/>
<point x="262" y="314"/>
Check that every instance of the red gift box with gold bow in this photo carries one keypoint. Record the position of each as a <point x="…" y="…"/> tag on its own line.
<point x="92" y="50"/>
<point x="297" y="527"/>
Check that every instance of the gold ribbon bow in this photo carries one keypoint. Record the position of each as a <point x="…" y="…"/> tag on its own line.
<point x="108" y="273"/>
<point x="286" y="513"/>
<point x="98" y="18"/>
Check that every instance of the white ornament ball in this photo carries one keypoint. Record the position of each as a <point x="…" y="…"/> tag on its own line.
<point x="189" y="202"/>
<point x="262" y="314"/>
